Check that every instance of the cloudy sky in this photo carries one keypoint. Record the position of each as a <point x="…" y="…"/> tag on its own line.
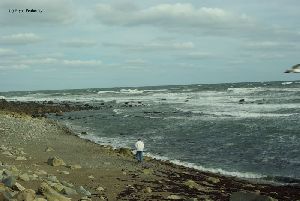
<point x="95" y="43"/>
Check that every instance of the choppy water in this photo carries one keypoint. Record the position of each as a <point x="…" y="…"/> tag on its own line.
<point x="202" y="126"/>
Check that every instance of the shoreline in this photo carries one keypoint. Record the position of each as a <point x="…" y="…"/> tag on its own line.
<point x="116" y="171"/>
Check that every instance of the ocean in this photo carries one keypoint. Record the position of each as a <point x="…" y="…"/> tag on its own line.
<point x="247" y="130"/>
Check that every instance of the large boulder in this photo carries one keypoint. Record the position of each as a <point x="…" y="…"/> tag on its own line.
<point x="51" y="194"/>
<point x="249" y="196"/>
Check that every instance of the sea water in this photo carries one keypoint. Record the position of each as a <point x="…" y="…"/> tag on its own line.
<point x="207" y="127"/>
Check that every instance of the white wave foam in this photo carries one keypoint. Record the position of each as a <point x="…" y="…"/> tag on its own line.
<point x="104" y="92"/>
<point x="131" y="91"/>
<point x="286" y="83"/>
<point x="246" y="175"/>
<point x="2" y="97"/>
<point x="117" y="111"/>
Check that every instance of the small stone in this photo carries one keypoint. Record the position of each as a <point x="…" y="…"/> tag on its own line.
<point x="174" y="197"/>
<point x="85" y="199"/>
<point x="67" y="184"/>
<point x="69" y="191"/>
<point x="192" y="199"/>
<point x="48" y="149"/>
<point x="21" y="158"/>
<point x="18" y="187"/>
<point x="26" y="195"/>
<point x="148" y="190"/>
<point x="58" y="187"/>
<point x="65" y="172"/>
<point x="24" y="177"/>
<point x="52" y="178"/>
<point x="82" y="191"/>
<point x="148" y="171"/>
<point x="39" y="199"/>
<point x="56" y="161"/>
<point x="91" y="177"/>
<point x="213" y="180"/>
<point x="74" y="167"/>
<point x="51" y="194"/>
<point x="7" y="153"/>
<point x="100" y="188"/>
<point x="40" y="172"/>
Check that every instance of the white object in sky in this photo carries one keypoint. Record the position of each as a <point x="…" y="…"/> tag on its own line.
<point x="294" y="69"/>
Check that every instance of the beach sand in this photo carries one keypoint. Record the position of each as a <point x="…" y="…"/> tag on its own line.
<point x="106" y="174"/>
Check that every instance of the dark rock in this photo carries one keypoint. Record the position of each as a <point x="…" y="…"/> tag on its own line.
<point x="125" y="152"/>
<point x="242" y="101"/>
<point x="249" y="196"/>
<point x="9" y="181"/>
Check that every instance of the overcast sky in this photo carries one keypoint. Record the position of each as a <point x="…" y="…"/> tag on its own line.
<point x="95" y="44"/>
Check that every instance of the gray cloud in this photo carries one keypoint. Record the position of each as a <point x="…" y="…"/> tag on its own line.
<point x="154" y="46"/>
<point x="53" y="12"/>
<point x="82" y="63"/>
<point x="20" y="39"/>
<point x="179" y="15"/>
<point x="7" y="52"/>
<point x="78" y="43"/>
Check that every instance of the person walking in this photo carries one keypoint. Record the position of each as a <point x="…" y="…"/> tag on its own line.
<point x="139" y="145"/>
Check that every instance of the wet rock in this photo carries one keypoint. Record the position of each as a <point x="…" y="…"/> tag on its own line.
<point x="84" y="133"/>
<point x="249" y="196"/>
<point x="59" y="114"/>
<point x="51" y="194"/>
<point x="241" y="101"/>
<point x="56" y="161"/>
<point x="26" y="195"/>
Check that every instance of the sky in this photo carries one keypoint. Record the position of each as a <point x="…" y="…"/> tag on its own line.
<point x="69" y="44"/>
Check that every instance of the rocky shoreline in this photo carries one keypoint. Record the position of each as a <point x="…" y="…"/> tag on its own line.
<point x="41" y="159"/>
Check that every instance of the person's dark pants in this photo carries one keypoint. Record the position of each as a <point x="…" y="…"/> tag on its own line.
<point x="139" y="156"/>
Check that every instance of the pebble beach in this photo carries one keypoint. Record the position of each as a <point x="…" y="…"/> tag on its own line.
<point x="41" y="159"/>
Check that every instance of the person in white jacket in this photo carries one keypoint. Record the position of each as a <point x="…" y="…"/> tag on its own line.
<point x="139" y="145"/>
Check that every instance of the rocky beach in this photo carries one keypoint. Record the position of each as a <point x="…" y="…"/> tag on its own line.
<point x="41" y="159"/>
